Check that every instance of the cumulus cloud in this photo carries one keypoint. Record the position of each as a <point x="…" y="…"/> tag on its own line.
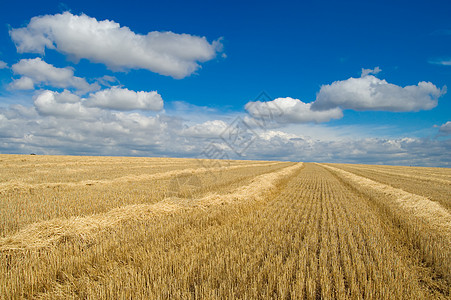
<point x="446" y="128"/>
<point x="69" y="105"/>
<point x="289" y="110"/>
<point x="366" y="93"/>
<point x="65" y="104"/>
<point x="3" y="65"/>
<point x="125" y="99"/>
<point x="36" y="72"/>
<point x="43" y="130"/>
<point x="119" y="48"/>
<point x="371" y="93"/>
<point x="23" y="83"/>
<point x="208" y="129"/>
<point x="269" y="135"/>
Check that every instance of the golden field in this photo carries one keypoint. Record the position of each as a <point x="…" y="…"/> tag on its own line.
<point x="164" y="228"/>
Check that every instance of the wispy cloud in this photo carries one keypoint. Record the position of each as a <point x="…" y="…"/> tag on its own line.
<point x="374" y="71"/>
<point x="443" y="62"/>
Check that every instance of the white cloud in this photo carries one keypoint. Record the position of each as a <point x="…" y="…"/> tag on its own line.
<point x="374" y="71"/>
<point x="3" y="65"/>
<point x="57" y="125"/>
<point x="125" y="99"/>
<point x="36" y="72"/>
<point x="23" y="83"/>
<point x="269" y="135"/>
<point x="65" y="104"/>
<point x="208" y="129"/>
<point x="371" y="93"/>
<point x="69" y="105"/>
<point x="119" y="48"/>
<point x="353" y="149"/>
<point x="362" y="94"/>
<point x="137" y="120"/>
<point x="66" y="97"/>
<point x="446" y="128"/>
<point x="105" y="132"/>
<point x="289" y="110"/>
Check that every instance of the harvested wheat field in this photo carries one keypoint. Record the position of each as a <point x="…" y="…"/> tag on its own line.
<point x="162" y="228"/>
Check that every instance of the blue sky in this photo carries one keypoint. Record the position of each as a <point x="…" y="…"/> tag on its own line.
<point x="171" y="79"/>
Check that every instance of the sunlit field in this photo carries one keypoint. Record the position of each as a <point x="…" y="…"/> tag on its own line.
<point x="165" y="228"/>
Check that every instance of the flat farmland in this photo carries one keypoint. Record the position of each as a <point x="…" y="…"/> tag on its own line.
<point x="164" y="228"/>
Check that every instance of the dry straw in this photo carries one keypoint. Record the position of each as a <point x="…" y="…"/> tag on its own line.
<point x="430" y="211"/>
<point x="20" y="184"/>
<point x="47" y="233"/>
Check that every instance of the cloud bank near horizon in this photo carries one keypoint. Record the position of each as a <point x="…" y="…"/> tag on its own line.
<point x="73" y="129"/>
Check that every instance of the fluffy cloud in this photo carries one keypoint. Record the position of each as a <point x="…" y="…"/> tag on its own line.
<point x="124" y="99"/>
<point x="166" y="53"/>
<point x="69" y="105"/>
<point x="23" y="83"/>
<point x="289" y="110"/>
<point x="65" y="104"/>
<point x="208" y="129"/>
<point x="362" y="94"/>
<point x="36" y="71"/>
<point x="371" y="93"/>
<point x="446" y="128"/>
<point x="3" y="65"/>
<point x="25" y="130"/>
<point x="40" y="129"/>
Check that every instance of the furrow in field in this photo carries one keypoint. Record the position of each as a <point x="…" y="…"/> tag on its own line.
<point x="424" y="247"/>
<point x="333" y="238"/>
<point x="17" y="184"/>
<point x="50" y="232"/>
<point x="19" y="208"/>
<point x="313" y="226"/>
<point x="377" y="263"/>
<point x="429" y="211"/>
<point x="436" y="189"/>
<point x="441" y="175"/>
<point x="434" y="178"/>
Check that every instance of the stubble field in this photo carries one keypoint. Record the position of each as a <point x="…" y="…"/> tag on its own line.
<point x="161" y="228"/>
